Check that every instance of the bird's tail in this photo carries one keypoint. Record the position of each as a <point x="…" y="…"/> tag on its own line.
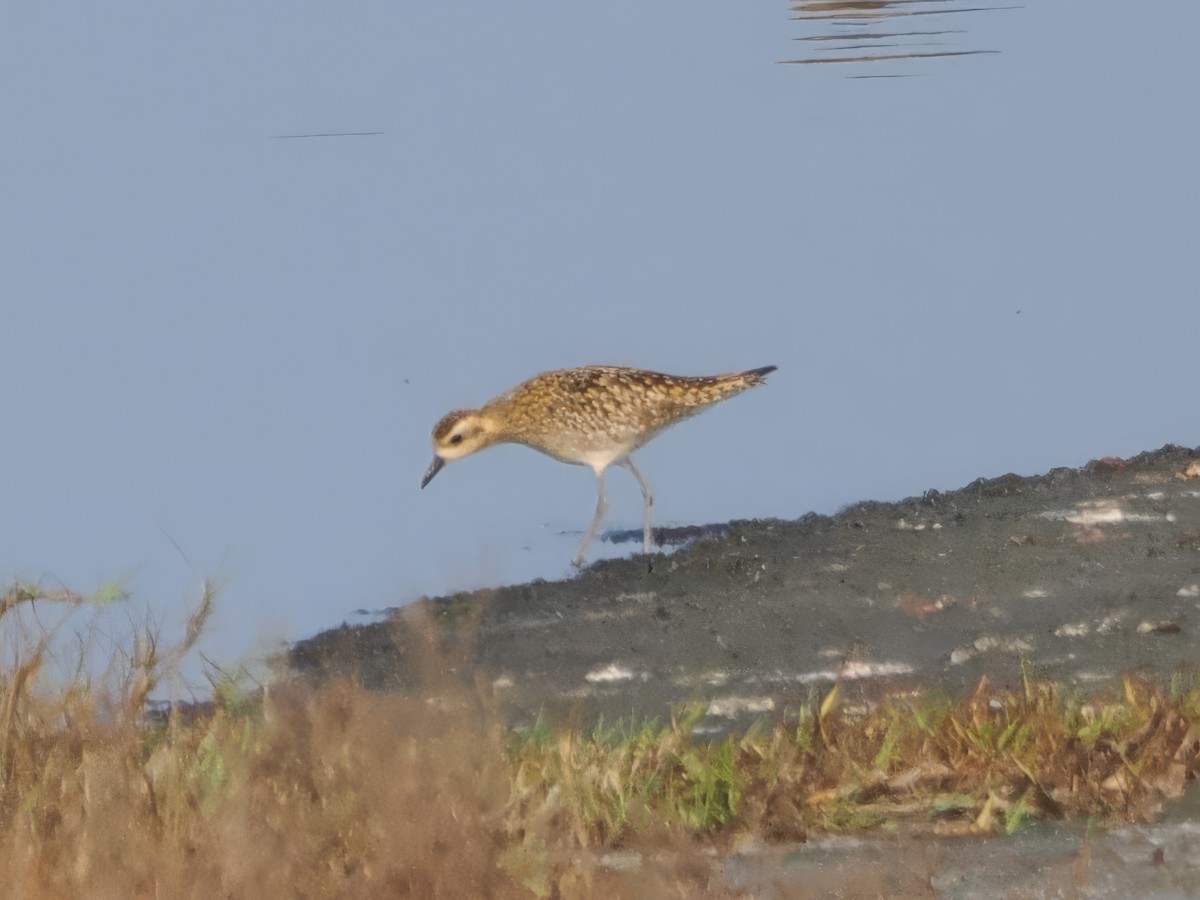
<point x="755" y="377"/>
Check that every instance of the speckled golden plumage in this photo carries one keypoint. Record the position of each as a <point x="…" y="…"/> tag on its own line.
<point x="594" y="416"/>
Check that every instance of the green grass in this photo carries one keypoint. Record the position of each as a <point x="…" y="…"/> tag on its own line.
<point x="296" y="790"/>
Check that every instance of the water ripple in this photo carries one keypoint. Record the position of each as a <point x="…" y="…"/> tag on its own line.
<point x="837" y="32"/>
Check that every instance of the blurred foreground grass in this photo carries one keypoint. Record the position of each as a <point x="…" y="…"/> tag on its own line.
<point x="299" y="790"/>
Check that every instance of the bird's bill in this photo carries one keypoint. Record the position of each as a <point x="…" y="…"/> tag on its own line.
<point x="434" y="468"/>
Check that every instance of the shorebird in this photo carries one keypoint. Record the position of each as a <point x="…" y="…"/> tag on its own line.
<point x="591" y="416"/>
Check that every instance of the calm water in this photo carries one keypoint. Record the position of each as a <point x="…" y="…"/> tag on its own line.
<point x="969" y="247"/>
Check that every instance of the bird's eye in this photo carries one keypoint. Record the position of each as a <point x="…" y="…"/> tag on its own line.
<point x="456" y="439"/>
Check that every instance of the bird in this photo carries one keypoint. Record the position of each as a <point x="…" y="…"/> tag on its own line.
<point x="593" y="416"/>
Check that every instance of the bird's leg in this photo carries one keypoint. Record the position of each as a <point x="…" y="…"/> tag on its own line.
<point x="627" y="462"/>
<point x="601" y="507"/>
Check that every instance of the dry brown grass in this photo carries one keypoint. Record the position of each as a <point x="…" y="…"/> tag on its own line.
<point x="334" y="791"/>
<point x="291" y="792"/>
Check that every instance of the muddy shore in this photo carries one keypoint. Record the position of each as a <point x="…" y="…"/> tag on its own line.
<point x="1081" y="574"/>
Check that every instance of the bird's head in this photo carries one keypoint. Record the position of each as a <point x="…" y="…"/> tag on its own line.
<point x="458" y="434"/>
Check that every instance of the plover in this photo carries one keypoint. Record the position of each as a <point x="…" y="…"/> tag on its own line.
<point x="591" y="416"/>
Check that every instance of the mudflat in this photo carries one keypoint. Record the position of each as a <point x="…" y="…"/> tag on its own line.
<point x="1078" y="575"/>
